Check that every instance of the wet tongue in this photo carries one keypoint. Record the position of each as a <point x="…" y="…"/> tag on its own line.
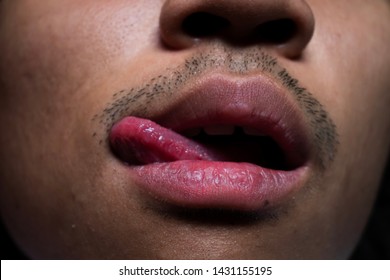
<point x="141" y="141"/>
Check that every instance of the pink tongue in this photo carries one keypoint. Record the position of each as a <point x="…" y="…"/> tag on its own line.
<point x="142" y="141"/>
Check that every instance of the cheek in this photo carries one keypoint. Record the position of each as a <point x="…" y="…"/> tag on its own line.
<point x="76" y="40"/>
<point x="59" y="59"/>
<point x="54" y="71"/>
<point x="361" y="107"/>
<point x="349" y="74"/>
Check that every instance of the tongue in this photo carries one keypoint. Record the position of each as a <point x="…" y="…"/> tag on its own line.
<point x="141" y="141"/>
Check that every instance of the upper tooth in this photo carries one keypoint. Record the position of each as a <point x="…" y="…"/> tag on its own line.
<point x="219" y="130"/>
<point x="253" y="131"/>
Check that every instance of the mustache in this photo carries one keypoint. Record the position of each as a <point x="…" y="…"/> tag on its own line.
<point x="140" y="100"/>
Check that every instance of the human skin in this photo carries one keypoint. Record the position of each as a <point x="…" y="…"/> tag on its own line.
<point x="64" y="193"/>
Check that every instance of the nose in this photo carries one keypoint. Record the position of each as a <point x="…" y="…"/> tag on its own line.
<point x="285" y="25"/>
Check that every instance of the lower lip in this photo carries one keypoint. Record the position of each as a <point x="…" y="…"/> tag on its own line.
<point x="213" y="184"/>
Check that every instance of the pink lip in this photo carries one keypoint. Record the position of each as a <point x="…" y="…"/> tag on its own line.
<point x="194" y="178"/>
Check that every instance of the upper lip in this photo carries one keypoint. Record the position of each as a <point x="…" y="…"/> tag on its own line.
<point x="181" y="171"/>
<point x="257" y="102"/>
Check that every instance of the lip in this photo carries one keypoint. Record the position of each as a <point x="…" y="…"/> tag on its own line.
<point x="255" y="101"/>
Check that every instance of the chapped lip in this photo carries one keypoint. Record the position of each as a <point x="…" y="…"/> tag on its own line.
<point x="255" y="101"/>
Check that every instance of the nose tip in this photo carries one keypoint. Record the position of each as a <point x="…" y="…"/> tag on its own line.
<point x="285" y="25"/>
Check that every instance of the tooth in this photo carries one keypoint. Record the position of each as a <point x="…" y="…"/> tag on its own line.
<point x="253" y="131"/>
<point x="219" y="130"/>
<point x="191" y="132"/>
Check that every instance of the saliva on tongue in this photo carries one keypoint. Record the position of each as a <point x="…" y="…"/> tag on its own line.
<point x="140" y="141"/>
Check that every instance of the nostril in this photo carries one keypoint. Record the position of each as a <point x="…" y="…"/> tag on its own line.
<point x="202" y="24"/>
<point x="285" y="26"/>
<point x="276" y="31"/>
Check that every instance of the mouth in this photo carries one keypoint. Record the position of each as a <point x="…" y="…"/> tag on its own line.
<point x="227" y="143"/>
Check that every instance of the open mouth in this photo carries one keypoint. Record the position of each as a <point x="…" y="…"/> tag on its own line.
<point x="244" y="146"/>
<point x="241" y="144"/>
<point x="140" y="141"/>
